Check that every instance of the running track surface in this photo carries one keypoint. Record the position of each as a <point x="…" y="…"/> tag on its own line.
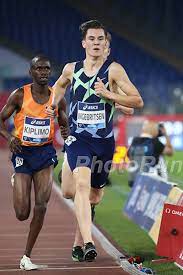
<point x="53" y="247"/>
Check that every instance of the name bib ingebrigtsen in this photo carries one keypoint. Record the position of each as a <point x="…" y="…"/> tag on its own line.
<point x="91" y="115"/>
<point x="36" y="130"/>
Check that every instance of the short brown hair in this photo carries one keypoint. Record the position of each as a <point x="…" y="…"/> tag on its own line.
<point x="92" y="24"/>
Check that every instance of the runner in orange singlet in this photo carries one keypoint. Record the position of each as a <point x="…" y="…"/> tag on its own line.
<point x="34" y="156"/>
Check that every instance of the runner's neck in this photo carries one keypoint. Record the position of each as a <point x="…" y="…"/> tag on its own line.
<point x="92" y="66"/>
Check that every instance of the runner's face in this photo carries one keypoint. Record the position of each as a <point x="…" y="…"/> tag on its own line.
<point x="94" y="42"/>
<point x="40" y="72"/>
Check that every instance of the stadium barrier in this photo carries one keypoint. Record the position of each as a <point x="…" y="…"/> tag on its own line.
<point x="173" y="198"/>
<point x="170" y="240"/>
<point x="145" y="207"/>
<point x="146" y="200"/>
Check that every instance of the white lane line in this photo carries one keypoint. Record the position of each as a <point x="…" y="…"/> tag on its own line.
<point x="41" y="258"/>
<point x="67" y="268"/>
<point x="40" y="248"/>
<point x="52" y="264"/>
<point x="6" y="228"/>
<point x="42" y="235"/>
<point x="54" y="261"/>
<point x="35" y="257"/>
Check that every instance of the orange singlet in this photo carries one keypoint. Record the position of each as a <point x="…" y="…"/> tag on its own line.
<point x="32" y="125"/>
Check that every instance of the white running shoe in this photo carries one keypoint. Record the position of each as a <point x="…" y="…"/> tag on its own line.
<point x="26" y="264"/>
<point x="13" y="179"/>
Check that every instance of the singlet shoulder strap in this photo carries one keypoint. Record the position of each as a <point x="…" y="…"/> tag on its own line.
<point x="27" y="92"/>
<point x="105" y="67"/>
<point x="78" y="66"/>
<point x="27" y="88"/>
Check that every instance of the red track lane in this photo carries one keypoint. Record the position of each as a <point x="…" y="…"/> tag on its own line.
<point x="53" y="247"/>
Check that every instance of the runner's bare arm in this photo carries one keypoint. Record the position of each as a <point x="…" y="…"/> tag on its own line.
<point x="125" y="110"/>
<point x="61" y="84"/>
<point x="118" y="76"/>
<point x="62" y="118"/>
<point x="13" y="104"/>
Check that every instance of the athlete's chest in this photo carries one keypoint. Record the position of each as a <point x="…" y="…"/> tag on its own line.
<point x="40" y="99"/>
<point x="84" y="86"/>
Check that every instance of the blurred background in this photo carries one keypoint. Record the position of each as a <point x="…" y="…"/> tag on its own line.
<point x="147" y="39"/>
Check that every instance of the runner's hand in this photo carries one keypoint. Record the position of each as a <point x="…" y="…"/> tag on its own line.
<point x="15" y="144"/>
<point x="124" y="109"/>
<point x="64" y="132"/>
<point x="51" y="111"/>
<point x="100" y="88"/>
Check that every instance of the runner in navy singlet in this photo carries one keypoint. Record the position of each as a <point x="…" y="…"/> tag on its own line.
<point x="91" y="143"/>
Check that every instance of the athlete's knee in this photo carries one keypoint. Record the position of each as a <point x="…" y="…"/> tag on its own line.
<point x="67" y="194"/>
<point x="96" y="197"/>
<point x="82" y="186"/>
<point x="44" y="196"/>
<point x="68" y="191"/>
<point x="22" y="215"/>
<point x="40" y="209"/>
<point x="95" y="201"/>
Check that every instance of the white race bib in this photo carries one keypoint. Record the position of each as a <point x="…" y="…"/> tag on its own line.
<point x="36" y="130"/>
<point x="91" y="115"/>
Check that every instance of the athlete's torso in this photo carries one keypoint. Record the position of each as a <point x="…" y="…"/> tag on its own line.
<point x="90" y="115"/>
<point x="32" y="125"/>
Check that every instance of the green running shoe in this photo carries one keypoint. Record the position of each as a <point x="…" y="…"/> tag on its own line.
<point x="90" y="252"/>
<point x="77" y="254"/>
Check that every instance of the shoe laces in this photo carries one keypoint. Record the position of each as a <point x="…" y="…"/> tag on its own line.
<point x="89" y="245"/>
<point x="77" y="248"/>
